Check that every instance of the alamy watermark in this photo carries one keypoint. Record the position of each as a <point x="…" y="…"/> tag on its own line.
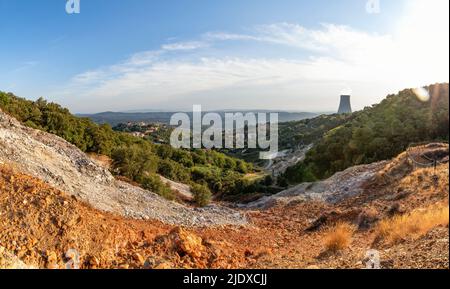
<point x="373" y="7"/>
<point x="372" y="259"/>
<point x="73" y="7"/>
<point x="73" y="257"/>
<point x="242" y="131"/>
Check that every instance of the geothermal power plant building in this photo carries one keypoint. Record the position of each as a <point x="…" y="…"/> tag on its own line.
<point x="345" y="106"/>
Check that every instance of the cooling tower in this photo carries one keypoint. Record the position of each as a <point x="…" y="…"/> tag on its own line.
<point x="345" y="106"/>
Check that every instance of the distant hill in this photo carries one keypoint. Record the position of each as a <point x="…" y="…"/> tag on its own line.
<point x="115" y="118"/>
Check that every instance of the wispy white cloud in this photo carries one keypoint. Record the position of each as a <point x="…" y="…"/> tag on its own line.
<point x="26" y="65"/>
<point x="333" y="58"/>
<point x="189" y="45"/>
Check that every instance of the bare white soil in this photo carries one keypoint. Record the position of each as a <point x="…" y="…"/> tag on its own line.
<point x="64" y="166"/>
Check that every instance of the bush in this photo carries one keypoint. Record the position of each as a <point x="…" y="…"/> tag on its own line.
<point x="241" y="167"/>
<point x="282" y="182"/>
<point x="134" y="161"/>
<point x="174" y="171"/>
<point x="339" y="237"/>
<point x="199" y="157"/>
<point x="153" y="183"/>
<point x="268" y="181"/>
<point x="202" y="195"/>
<point x="183" y="157"/>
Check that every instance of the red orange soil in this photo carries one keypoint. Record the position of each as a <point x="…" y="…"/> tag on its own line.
<point x="40" y="224"/>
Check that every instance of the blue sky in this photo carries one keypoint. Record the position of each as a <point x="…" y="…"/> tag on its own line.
<point x="253" y="54"/>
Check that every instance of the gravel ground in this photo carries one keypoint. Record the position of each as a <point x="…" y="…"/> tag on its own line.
<point x="10" y="261"/>
<point x="62" y="165"/>
<point x="333" y="190"/>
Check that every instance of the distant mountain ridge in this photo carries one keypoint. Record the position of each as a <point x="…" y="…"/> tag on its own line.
<point x="115" y="118"/>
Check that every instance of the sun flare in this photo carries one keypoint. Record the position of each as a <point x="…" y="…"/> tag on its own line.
<point x="423" y="35"/>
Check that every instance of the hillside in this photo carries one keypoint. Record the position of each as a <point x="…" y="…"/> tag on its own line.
<point x="62" y="165"/>
<point x="41" y="225"/>
<point x="134" y="158"/>
<point x="378" y="133"/>
<point x="295" y="137"/>
<point x="62" y="205"/>
<point x="317" y="148"/>
<point x="115" y="118"/>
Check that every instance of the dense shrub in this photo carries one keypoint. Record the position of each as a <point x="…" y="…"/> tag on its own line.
<point x="153" y="183"/>
<point x="202" y="195"/>
<point x="133" y="161"/>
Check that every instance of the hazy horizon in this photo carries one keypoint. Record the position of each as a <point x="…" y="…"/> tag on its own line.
<point x="207" y="110"/>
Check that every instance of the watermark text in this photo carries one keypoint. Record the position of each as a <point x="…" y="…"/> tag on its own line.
<point x="242" y="131"/>
<point x="73" y="7"/>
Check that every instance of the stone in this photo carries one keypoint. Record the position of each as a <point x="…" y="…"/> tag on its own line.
<point x="51" y="257"/>
<point x="187" y="243"/>
<point x="52" y="260"/>
<point x="94" y="262"/>
<point x="139" y="259"/>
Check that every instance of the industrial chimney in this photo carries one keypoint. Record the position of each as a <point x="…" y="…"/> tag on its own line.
<point x="345" y="106"/>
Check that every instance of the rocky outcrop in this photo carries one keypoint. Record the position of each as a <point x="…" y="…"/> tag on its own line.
<point x="354" y="180"/>
<point x="62" y="165"/>
<point x="333" y="190"/>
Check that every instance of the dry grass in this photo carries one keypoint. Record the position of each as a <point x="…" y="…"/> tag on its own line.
<point x="440" y="185"/>
<point x="339" y="237"/>
<point x="414" y="224"/>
